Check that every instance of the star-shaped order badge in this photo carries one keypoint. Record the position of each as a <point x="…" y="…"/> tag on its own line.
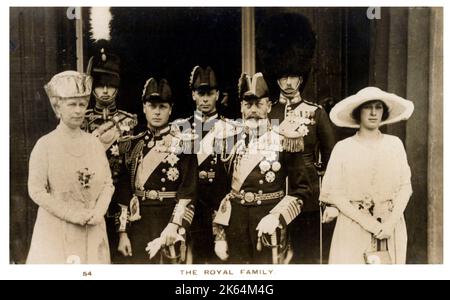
<point x="270" y="177"/>
<point x="172" y="159"/>
<point x="115" y="150"/>
<point x="173" y="174"/>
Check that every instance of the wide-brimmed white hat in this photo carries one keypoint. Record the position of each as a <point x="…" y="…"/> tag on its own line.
<point x="400" y="109"/>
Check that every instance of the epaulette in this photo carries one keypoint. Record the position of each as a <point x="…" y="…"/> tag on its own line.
<point x="292" y="136"/>
<point x="134" y="137"/>
<point x="182" y="124"/>
<point x="313" y="104"/>
<point x="183" y="136"/>
<point x="181" y="121"/>
<point x="130" y="115"/>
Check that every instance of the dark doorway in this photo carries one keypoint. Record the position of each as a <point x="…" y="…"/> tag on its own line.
<point x="168" y="43"/>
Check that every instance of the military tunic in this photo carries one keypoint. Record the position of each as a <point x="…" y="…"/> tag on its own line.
<point x="211" y="178"/>
<point x="160" y="176"/>
<point x="319" y="138"/>
<point x="114" y="129"/>
<point x="257" y="181"/>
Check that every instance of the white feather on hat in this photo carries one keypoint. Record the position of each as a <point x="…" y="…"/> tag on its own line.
<point x="100" y="19"/>
<point x="400" y="109"/>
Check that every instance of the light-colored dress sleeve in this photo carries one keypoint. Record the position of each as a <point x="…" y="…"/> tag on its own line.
<point x="107" y="192"/>
<point x="39" y="187"/>
<point x="404" y="190"/>
<point x="334" y="190"/>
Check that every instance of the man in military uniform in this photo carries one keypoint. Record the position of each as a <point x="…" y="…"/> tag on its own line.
<point x="113" y="127"/>
<point x="253" y="217"/>
<point x="211" y="172"/>
<point x="286" y="56"/>
<point x="155" y="221"/>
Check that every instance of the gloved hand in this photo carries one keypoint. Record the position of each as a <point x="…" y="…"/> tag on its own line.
<point x="330" y="213"/>
<point x="268" y="224"/>
<point x="96" y="218"/>
<point x="221" y="250"/>
<point x="124" y="245"/>
<point x="386" y="231"/>
<point x="79" y="216"/>
<point x="169" y="235"/>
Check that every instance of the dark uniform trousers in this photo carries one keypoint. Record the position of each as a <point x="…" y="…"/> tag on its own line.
<point x="155" y="218"/>
<point x="211" y="188"/>
<point x="242" y="235"/>
<point x="266" y="178"/>
<point x="305" y="230"/>
<point x="171" y="175"/>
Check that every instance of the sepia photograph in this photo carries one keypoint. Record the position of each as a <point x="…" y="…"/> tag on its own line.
<point x="226" y="136"/>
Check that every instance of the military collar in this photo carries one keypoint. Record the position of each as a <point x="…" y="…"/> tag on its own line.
<point x="107" y="111"/>
<point x="199" y="116"/>
<point x="159" y="132"/>
<point x="295" y="100"/>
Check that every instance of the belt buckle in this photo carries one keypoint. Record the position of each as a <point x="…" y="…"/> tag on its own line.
<point x="249" y="197"/>
<point x="153" y="195"/>
<point x="203" y="175"/>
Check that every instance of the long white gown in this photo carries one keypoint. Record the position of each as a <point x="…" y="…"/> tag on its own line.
<point x="55" y="183"/>
<point x="358" y="172"/>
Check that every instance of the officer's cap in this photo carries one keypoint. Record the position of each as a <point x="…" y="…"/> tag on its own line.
<point x="154" y="92"/>
<point x="202" y="79"/>
<point x="250" y="89"/>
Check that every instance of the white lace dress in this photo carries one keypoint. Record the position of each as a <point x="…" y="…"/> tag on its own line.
<point x="359" y="177"/>
<point x="68" y="175"/>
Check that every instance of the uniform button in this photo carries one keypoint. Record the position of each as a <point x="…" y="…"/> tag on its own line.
<point x="211" y="170"/>
<point x="163" y="189"/>
<point x="242" y="192"/>
<point x="120" y="161"/>
<point x="163" y="180"/>
<point x="261" y="182"/>
<point x="260" y="192"/>
<point x="164" y="171"/>
<point x="195" y="124"/>
<point x="211" y="180"/>
<point x="146" y="137"/>
<point x="213" y="162"/>
<point x="258" y="202"/>
<point x="242" y="201"/>
<point x="115" y="173"/>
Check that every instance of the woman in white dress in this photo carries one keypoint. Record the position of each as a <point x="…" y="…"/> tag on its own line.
<point x="69" y="178"/>
<point x="367" y="182"/>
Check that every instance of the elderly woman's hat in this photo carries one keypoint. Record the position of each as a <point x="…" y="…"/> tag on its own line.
<point x="68" y="84"/>
<point x="400" y="109"/>
<point x="154" y="92"/>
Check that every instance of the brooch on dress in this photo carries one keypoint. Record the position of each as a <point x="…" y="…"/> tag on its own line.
<point x="84" y="177"/>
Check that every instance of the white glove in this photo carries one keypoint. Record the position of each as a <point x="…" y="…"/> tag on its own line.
<point x="154" y="246"/>
<point x="268" y="224"/>
<point x="170" y="235"/>
<point x="330" y="213"/>
<point x="221" y="250"/>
